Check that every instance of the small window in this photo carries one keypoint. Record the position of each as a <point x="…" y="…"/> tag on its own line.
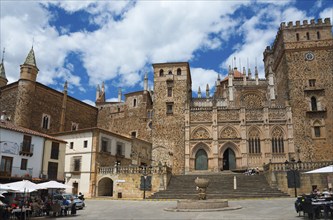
<point x="104" y="145"/>
<point x="118" y="109"/>
<point x="317" y="131"/>
<point x="133" y="134"/>
<point x="134" y="102"/>
<point x="150" y="125"/>
<point x="307" y="36"/>
<point x="312" y="82"/>
<point x="71" y="145"/>
<point x="169" y="92"/>
<point x="170" y="72"/>
<point x="161" y="72"/>
<point x="24" y="164"/>
<point x="75" y="126"/>
<point x="120" y="149"/>
<point x="297" y="36"/>
<point x="77" y="164"/>
<point x="85" y="144"/>
<point x="46" y="121"/>
<point x="313" y="103"/>
<point x="170" y="108"/>
<point x="55" y="151"/>
<point x="179" y="72"/>
<point x="318" y="35"/>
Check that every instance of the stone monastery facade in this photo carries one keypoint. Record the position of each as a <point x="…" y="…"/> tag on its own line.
<point x="246" y="122"/>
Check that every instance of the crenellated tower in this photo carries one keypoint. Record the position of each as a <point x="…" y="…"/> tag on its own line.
<point x="26" y="91"/>
<point x="172" y="94"/>
<point x="301" y="66"/>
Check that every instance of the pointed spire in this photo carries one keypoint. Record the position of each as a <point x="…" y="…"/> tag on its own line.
<point x="249" y="74"/>
<point x="65" y="86"/>
<point x="230" y="70"/>
<point x="256" y="71"/>
<point x="119" y="94"/>
<point x="145" y="83"/>
<point x="98" y="90"/>
<point x="199" y="92"/>
<point x="103" y="87"/>
<point x="244" y="71"/>
<point x="2" y="66"/>
<point x="218" y="78"/>
<point x="207" y="91"/>
<point x="31" y="60"/>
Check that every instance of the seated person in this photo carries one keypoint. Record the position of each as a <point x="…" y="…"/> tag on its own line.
<point x="65" y="205"/>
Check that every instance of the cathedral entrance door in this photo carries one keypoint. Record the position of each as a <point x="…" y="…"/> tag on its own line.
<point x="201" y="160"/>
<point x="229" y="159"/>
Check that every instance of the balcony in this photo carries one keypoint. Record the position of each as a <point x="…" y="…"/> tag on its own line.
<point x="26" y="149"/>
<point x="17" y="173"/>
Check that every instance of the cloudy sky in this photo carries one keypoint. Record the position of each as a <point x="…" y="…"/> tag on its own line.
<point x="88" y="42"/>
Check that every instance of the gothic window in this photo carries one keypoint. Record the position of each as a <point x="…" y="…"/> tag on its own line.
<point x="297" y="36"/>
<point x="313" y="103"/>
<point x="46" y="121"/>
<point x="307" y="36"/>
<point x="277" y="141"/>
<point x="75" y="126"/>
<point x="179" y="72"/>
<point x="134" y="102"/>
<point x="161" y="72"/>
<point x="169" y="108"/>
<point x="312" y="82"/>
<point x="318" y="35"/>
<point x="317" y="131"/>
<point x="254" y="142"/>
<point x="169" y="91"/>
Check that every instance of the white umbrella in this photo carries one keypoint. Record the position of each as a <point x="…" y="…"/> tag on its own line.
<point x="4" y="188"/>
<point x="53" y="185"/>
<point x="328" y="169"/>
<point x="23" y="186"/>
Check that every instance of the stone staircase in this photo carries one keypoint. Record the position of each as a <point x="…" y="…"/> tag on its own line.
<point x="221" y="186"/>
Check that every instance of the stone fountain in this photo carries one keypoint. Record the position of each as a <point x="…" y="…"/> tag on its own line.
<point x="202" y="204"/>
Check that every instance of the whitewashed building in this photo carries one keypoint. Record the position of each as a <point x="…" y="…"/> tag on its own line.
<point x="27" y="154"/>
<point x="88" y="149"/>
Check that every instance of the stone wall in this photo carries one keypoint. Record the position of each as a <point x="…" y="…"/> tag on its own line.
<point x="8" y="96"/>
<point x="124" y="118"/>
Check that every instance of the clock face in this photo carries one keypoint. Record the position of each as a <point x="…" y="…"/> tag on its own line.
<point x="309" y="56"/>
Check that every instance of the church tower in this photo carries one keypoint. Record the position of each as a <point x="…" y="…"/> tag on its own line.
<point x="172" y="94"/>
<point x="26" y="91"/>
<point x="302" y="67"/>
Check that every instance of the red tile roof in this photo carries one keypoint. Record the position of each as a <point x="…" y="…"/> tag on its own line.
<point x="11" y="126"/>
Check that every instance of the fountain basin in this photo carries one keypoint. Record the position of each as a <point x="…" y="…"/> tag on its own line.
<point x="202" y="204"/>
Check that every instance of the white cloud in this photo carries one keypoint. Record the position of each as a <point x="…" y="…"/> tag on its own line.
<point x="327" y="13"/>
<point x="89" y="102"/>
<point x="202" y="77"/>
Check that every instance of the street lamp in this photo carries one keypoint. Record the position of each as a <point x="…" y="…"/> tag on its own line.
<point x="144" y="179"/>
<point x="293" y="167"/>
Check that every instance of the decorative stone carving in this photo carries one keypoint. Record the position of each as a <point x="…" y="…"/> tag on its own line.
<point x="254" y="133"/>
<point x="200" y="133"/>
<point x="228" y="115"/>
<point x="228" y="133"/>
<point x="254" y="115"/>
<point x="201" y="116"/>
<point x="253" y="101"/>
<point x="277" y="133"/>
<point x="276" y="114"/>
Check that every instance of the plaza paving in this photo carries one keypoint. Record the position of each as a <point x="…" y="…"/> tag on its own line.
<point x="282" y="208"/>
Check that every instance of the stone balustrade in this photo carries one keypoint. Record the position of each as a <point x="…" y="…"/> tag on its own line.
<point x="303" y="166"/>
<point x="134" y="170"/>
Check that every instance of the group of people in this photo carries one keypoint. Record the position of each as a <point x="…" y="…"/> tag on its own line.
<point x="324" y="194"/>
<point x="252" y="171"/>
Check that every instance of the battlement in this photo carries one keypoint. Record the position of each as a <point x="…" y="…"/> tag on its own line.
<point x="306" y="24"/>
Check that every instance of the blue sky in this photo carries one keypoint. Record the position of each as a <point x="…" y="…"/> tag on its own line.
<point x="88" y="42"/>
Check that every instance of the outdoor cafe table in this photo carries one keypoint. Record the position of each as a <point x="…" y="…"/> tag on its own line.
<point x="322" y="204"/>
<point x="25" y="212"/>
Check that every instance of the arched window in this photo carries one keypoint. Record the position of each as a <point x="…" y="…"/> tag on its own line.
<point x="313" y="103"/>
<point x="277" y="141"/>
<point x="179" y="72"/>
<point x="161" y="72"/>
<point x="170" y="73"/>
<point x="318" y="35"/>
<point x="134" y="102"/>
<point x="201" y="160"/>
<point x="46" y="121"/>
<point x="254" y="142"/>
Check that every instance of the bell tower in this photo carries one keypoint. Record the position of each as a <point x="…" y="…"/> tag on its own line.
<point x="172" y="94"/>
<point x="26" y="91"/>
